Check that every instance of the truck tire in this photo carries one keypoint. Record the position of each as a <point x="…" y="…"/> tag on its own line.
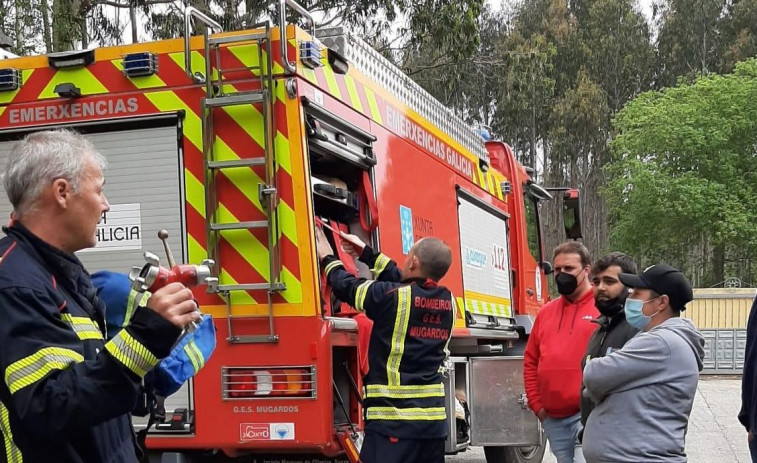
<point x="516" y="454"/>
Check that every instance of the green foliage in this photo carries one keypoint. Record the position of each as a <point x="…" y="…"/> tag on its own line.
<point x="21" y="22"/>
<point x="525" y="93"/>
<point x="448" y="26"/>
<point x="465" y="83"/>
<point x="684" y="176"/>
<point x="738" y="29"/>
<point x="689" y="39"/>
<point x="618" y="51"/>
<point x="579" y="131"/>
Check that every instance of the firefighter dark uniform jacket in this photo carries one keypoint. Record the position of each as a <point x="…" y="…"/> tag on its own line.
<point x="412" y="324"/>
<point x="67" y="394"/>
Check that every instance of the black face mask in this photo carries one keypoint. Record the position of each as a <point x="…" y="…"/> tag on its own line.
<point x="612" y="307"/>
<point x="566" y="284"/>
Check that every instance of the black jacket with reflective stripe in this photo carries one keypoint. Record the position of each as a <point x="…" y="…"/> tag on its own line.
<point x="412" y="325"/>
<point x="66" y="394"/>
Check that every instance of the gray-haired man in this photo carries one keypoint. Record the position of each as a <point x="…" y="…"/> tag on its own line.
<point x="64" y="386"/>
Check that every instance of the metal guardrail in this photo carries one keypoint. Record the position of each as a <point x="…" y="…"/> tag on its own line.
<point x="288" y="65"/>
<point x="193" y="13"/>
<point x="189" y="13"/>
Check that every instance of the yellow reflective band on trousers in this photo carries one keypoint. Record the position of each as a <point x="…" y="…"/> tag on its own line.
<point x="12" y="453"/>
<point x="332" y="266"/>
<point x="84" y="327"/>
<point x="360" y="295"/>
<point x="195" y="356"/>
<point x="381" y="262"/>
<point x="398" y="336"/>
<point x="407" y="414"/>
<point x="374" y="391"/>
<point x="133" y="355"/>
<point x="31" y="369"/>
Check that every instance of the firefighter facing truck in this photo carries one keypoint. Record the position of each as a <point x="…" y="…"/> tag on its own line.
<point x="412" y="324"/>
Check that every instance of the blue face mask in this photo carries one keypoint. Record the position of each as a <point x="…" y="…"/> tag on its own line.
<point x="634" y="314"/>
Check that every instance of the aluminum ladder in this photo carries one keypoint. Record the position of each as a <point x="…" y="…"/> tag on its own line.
<point x="215" y="99"/>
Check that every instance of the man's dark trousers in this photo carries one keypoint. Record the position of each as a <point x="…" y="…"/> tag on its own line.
<point x="378" y="448"/>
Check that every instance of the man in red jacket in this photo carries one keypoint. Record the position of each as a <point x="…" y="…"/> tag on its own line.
<point x="558" y="340"/>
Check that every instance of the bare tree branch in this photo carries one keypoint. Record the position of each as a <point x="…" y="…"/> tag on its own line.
<point x="113" y="4"/>
<point x="127" y="5"/>
<point x="429" y="67"/>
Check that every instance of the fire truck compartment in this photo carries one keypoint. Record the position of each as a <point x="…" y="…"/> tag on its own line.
<point x="499" y="410"/>
<point x="485" y="252"/>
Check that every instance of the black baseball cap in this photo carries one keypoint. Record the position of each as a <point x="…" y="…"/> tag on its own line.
<point x="662" y="279"/>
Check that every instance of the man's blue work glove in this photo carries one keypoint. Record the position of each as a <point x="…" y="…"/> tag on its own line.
<point x="186" y="358"/>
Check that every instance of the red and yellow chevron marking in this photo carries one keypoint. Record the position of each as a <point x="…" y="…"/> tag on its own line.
<point x="460" y="316"/>
<point x="105" y="76"/>
<point x="239" y="134"/>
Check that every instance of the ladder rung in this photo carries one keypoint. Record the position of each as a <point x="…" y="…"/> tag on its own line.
<point x="236" y="163"/>
<point x="239" y="225"/>
<point x="253" y="287"/>
<point x="259" y="339"/>
<point x="237" y="38"/>
<point x="252" y="69"/>
<point x="235" y="99"/>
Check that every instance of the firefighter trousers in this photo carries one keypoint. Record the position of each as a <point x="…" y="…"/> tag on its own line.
<point x="378" y="448"/>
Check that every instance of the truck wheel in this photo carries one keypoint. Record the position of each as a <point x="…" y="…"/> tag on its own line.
<point x="533" y="454"/>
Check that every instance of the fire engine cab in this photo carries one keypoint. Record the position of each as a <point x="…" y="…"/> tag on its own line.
<point x="239" y="144"/>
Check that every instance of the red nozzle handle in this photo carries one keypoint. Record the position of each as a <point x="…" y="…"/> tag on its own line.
<point x="185" y="274"/>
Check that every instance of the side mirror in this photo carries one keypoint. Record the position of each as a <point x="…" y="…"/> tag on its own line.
<point x="546" y="267"/>
<point x="572" y="214"/>
<point x="539" y="192"/>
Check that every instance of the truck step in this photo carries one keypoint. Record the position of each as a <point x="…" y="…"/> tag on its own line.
<point x="235" y="99"/>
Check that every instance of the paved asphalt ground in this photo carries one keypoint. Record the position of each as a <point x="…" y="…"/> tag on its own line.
<point x="715" y="435"/>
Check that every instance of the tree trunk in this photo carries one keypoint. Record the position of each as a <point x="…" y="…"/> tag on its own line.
<point x="248" y="6"/>
<point x="718" y="263"/>
<point x="198" y="26"/>
<point x="84" y="30"/>
<point x="532" y="153"/>
<point x="46" y="26"/>
<point x="133" y="19"/>
<point x="64" y="25"/>
<point x="545" y="162"/>
<point x="17" y="26"/>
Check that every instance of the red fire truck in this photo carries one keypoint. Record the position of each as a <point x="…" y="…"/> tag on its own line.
<point x="238" y="144"/>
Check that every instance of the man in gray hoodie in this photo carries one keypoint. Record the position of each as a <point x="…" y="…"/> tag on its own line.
<point x="644" y="392"/>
